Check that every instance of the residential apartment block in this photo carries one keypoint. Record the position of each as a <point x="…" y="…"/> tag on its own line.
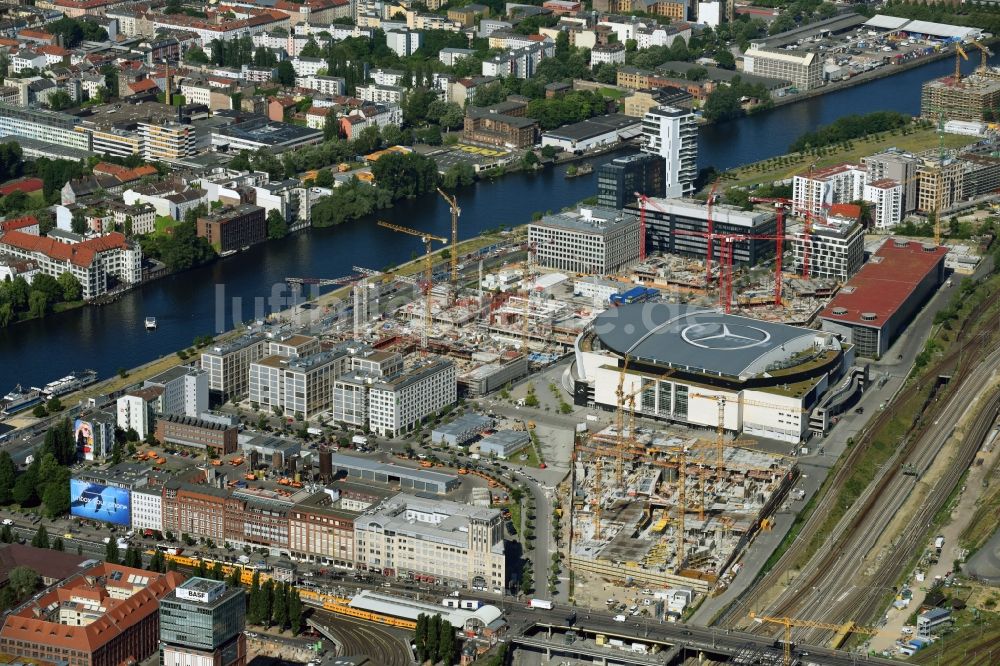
<point x="672" y="134"/>
<point x="803" y="69"/>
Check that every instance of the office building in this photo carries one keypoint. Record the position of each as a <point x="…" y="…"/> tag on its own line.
<point x="196" y="433"/>
<point x="202" y="623"/>
<point x="198" y="510"/>
<point x="591" y="240"/>
<point x="232" y="228"/>
<point x="292" y="346"/>
<point x="259" y="520"/>
<point x="672" y="134"/>
<point x="835" y="247"/>
<point x="443" y="542"/>
<point x="167" y="142"/>
<point x="679" y="226"/>
<point x="185" y="390"/>
<point x="105" y="615"/>
<point x="363" y="368"/>
<point x="396" y="405"/>
<point x="619" y="180"/>
<point x="228" y="365"/>
<point x="320" y="530"/>
<point x="300" y="386"/>
<point x="50" y="127"/>
<point x="803" y="69"/>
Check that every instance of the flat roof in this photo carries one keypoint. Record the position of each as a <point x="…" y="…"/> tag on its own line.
<point x="592" y="127"/>
<point x="694" y="339"/>
<point x="342" y="461"/>
<point x="883" y="284"/>
<point x="268" y="132"/>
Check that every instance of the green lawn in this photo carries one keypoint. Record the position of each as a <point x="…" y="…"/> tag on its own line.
<point x="164" y="222"/>
<point x="612" y="93"/>
<point x="772" y="170"/>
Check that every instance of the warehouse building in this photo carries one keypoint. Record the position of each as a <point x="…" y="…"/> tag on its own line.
<point x="367" y="470"/>
<point x="878" y="303"/>
<point x="684" y="362"/>
<point x="593" y="133"/>
<point x="462" y="430"/>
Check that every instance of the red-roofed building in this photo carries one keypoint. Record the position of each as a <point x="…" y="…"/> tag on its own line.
<point x="36" y="36"/>
<point x="94" y="262"/>
<point x="27" y="224"/>
<point x="873" y="308"/>
<point x="124" y="174"/>
<point x="106" y="615"/>
<point x="26" y="185"/>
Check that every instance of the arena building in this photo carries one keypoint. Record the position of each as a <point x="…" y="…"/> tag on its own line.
<point x="686" y="364"/>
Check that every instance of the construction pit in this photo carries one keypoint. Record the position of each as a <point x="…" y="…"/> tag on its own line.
<point x="627" y="522"/>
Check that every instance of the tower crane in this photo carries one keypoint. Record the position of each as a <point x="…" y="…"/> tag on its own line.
<point x="789" y="622"/>
<point x="711" y="232"/>
<point x="428" y="271"/>
<point x="985" y="52"/>
<point x="959" y="55"/>
<point x="720" y="430"/>
<point x="455" y="212"/>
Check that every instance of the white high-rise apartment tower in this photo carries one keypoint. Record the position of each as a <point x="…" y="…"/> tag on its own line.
<point x="672" y="134"/>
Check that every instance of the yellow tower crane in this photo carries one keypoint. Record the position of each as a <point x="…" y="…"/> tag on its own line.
<point x="985" y="52"/>
<point x="455" y="212"/>
<point x="428" y="271"/>
<point x="788" y="622"/>
<point x="720" y="429"/>
<point x="959" y="55"/>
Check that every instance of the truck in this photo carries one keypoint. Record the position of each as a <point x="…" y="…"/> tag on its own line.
<point x="543" y="604"/>
<point x="359" y="440"/>
<point x="471" y="604"/>
<point x="939" y="543"/>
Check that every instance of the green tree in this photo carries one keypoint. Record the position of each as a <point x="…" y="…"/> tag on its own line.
<point x="56" y="497"/>
<point x="294" y="611"/>
<point x="254" y="610"/>
<point x="133" y="558"/>
<point x="202" y="569"/>
<point x="285" y="73"/>
<point x="6" y="534"/>
<point x="446" y="643"/>
<point x="217" y="573"/>
<point x="38" y="303"/>
<point x="54" y="405"/>
<point x="57" y="544"/>
<point x="331" y="126"/>
<point x="279" y="613"/>
<point x="41" y="538"/>
<point x="276" y="225"/>
<point x="111" y="553"/>
<point x="433" y="637"/>
<point x="8" y="477"/>
<point x="267" y="601"/>
<point x="233" y="579"/>
<point x="23" y="580"/>
<point x="26" y="487"/>
<point x="420" y="638"/>
<point x="59" y="100"/>
<point x="71" y="288"/>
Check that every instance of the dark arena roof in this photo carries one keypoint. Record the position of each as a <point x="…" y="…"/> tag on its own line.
<point x="699" y="340"/>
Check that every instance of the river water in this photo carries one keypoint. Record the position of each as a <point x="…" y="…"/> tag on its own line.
<point x="189" y="304"/>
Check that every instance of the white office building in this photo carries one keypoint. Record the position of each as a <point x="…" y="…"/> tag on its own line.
<point x="672" y="134"/>
<point x="591" y="240"/>
<point x="228" y="365"/>
<point x="300" y="386"/>
<point x="135" y="410"/>
<point x="185" y="390"/>
<point x="451" y="544"/>
<point x="396" y="405"/>
<point x="48" y="126"/>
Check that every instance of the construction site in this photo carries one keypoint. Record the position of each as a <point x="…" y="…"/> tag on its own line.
<point x="664" y="508"/>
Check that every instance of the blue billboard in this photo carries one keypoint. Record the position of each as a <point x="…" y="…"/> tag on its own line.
<point x="95" y="501"/>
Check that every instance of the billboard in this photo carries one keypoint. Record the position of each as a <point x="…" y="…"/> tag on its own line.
<point x="83" y="434"/>
<point x="94" y="501"/>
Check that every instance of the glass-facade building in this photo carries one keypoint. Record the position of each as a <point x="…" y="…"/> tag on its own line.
<point x="622" y="177"/>
<point x="201" y="623"/>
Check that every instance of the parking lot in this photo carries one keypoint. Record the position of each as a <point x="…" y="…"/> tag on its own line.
<point x="477" y="156"/>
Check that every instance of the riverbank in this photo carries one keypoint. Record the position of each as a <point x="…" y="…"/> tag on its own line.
<point x="784" y="167"/>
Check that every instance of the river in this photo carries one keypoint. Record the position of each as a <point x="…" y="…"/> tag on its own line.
<point x="186" y="305"/>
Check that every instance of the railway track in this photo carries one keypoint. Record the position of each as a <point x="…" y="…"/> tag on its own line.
<point x="969" y="342"/>
<point x="359" y="638"/>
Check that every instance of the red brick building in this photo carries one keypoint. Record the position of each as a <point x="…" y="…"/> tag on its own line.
<point x="106" y="615"/>
<point x="234" y="227"/>
<point x="197" y="433"/>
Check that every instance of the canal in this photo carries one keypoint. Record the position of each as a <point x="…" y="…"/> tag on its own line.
<point x="187" y="305"/>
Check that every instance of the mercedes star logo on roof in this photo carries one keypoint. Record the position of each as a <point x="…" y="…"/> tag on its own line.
<point x="725" y="337"/>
